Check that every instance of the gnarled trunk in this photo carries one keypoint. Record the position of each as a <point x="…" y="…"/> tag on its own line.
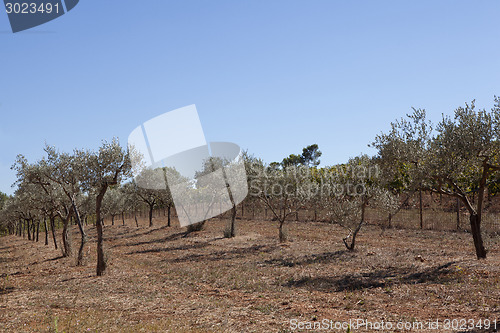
<point x="151" y="206"/>
<point x="232" y="232"/>
<point x="475" y="227"/>
<point x="233" y="219"/>
<point x="83" y="235"/>
<point x="46" y="231"/>
<point x="355" y="232"/>
<point x="28" y="229"/>
<point x="101" y="262"/>
<point x="67" y="248"/>
<point x="53" y="228"/>
<point x="282" y="235"/>
<point x="37" y="229"/>
<point x="19" y="228"/>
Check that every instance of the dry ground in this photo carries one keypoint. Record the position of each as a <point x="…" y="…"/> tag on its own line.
<point x="159" y="281"/>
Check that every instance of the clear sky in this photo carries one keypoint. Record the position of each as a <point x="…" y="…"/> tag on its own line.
<point x="271" y="76"/>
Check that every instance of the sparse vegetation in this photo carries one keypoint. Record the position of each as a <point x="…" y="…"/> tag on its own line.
<point x="185" y="279"/>
<point x="160" y="281"/>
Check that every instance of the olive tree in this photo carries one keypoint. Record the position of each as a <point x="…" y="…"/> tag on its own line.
<point x="8" y="219"/>
<point x="347" y="190"/>
<point x="3" y="199"/>
<point x="4" y="225"/>
<point x="459" y="155"/>
<point x="27" y="208"/>
<point x="59" y="176"/>
<point x="105" y="168"/>
<point x="114" y="204"/>
<point x="230" y="172"/>
<point x="67" y="171"/>
<point x="38" y="179"/>
<point x="147" y="194"/>
<point x="284" y="191"/>
<point x="132" y="201"/>
<point x="166" y="198"/>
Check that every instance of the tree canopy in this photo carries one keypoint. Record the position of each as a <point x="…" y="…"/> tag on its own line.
<point x="456" y="157"/>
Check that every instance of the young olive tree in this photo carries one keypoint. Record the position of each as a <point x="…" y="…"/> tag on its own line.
<point x="166" y="198"/>
<point x="231" y="173"/>
<point x="8" y="218"/>
<point x="202" y="195"/>
<point x="13" y="213"/>
<point x="284" y="191"/>
<point x="132" y="201"/>
<point x="462" y="154"/>
<point x="113" y="203"/>
<point x="348" y="189"/>
<point x="26" y="208"/>
<point x="5" y="220"/>
<point x="149" y="195"/>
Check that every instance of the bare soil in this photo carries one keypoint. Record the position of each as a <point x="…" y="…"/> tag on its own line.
<point x="159" y="281"/>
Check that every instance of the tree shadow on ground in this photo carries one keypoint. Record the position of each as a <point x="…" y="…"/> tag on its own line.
<point x="322" y="258"/>
<point x="173" y="248"/>
<point x="131" y="233"/>
<point x="53" y="259"/>
<point x="172" y="237"/>
<point x="224" y="255"/>
<point x="6" y="290"/>
<point x="4" y="275"/>
<point x="8" y="260"/>
<point x="78" y="278"/>
<point x="375" y="279"/>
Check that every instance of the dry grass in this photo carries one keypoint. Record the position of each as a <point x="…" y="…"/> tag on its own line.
<point x="160" y="281"/>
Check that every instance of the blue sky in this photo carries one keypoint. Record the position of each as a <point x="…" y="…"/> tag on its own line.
<point x="272" y="76"/>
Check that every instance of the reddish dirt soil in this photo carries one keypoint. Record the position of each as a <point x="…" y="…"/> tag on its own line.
<point x="159" y="281"/>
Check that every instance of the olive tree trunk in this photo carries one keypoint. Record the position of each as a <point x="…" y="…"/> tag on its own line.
<point x="475" y="227"/>
<point x="53" y="229"/>
<point x="46" y="231"/>
<point x="151" y="207"/>
<point x="66" y="239"/>
<point x="350" y="246"/>
<point x="101" y="262"/>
